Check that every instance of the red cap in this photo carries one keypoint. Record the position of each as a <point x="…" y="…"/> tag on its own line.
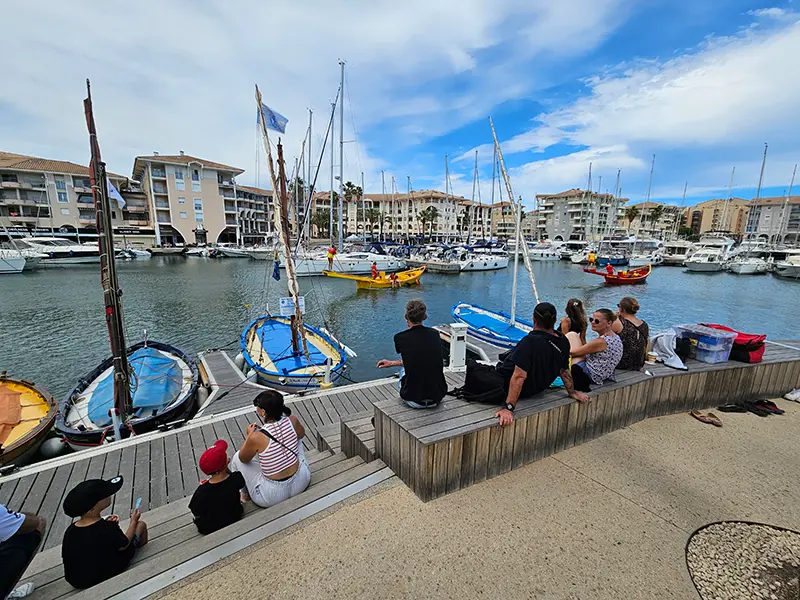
<point x="215" y="459"/>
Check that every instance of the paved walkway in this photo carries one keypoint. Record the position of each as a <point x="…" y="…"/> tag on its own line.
<point x="608" y="519"/>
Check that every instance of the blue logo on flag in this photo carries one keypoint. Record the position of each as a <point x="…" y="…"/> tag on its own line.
<point x="275" y="121"/>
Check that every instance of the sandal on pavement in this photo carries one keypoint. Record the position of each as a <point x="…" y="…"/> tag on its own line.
<point x="732" y="408"/>
<point x="714" y="420"/>
<point x="771" y="406"/>
<point x="794" y="395"/>
<point x="753" y="408"/>
<point x="705" y="418"/>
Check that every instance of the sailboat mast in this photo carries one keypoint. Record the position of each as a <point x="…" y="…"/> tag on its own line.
<point x="380" y="204"/>
<point x="112" y="293"/>
<point x="307" y="187"/>
<point x="680" y="213"/>
<point x="281" y="219"/>
<point x="516" y="271"/>
<point x="341" y="156"/>
<point x="727" y="201"/>
<point x="363" y="209"/>
<point x="587" y="193"/>
<point x="474" y="185"/>
<point x="297" y="198"/>
<point x="446" y="181"/>
<point x="614" y="206"/>
<point x="786" y="203"/>
<point x="391" y="210"/>
<point x="333" y="135"/>
<point x="761" y="176"/>
<point x="491" y="199"/>
<point x="650" y="181"/>
<point x="518" y="209"/>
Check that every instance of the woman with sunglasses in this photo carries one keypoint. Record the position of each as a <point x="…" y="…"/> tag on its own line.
<point x="598" y="358"/>
<point x="634" y="333"/>
<point x="271" y="459"/>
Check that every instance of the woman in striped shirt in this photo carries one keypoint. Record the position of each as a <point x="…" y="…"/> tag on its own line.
<point x="271" y="459"/>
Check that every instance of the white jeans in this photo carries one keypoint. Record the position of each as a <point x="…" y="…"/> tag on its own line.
<point x="267" y="492"/>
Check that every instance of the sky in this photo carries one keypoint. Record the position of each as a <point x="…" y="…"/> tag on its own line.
<point x="702" y="86"/>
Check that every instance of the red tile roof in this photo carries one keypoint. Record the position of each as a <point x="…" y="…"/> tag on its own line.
<point x="21" y="162"/>
<point x="182" y="159"/>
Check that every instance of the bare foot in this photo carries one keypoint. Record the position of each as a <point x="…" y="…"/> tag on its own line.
<point x="244" y="496"/>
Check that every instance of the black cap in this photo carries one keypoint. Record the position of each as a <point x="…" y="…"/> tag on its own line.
<point x="82" y="498"/>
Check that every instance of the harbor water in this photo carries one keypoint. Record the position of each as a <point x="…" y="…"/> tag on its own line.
<point x="52" y="328"/>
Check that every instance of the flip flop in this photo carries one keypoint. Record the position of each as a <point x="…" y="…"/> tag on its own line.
<point x="770" y="406"/>
<point x="753" y="408"/>
<point x="714" y="419"/>
<point x="732" y="408"/>
<point x="710" y="418"/>
<point x="794" y="395"/>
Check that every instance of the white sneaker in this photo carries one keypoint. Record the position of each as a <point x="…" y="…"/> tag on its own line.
<point x="26" y="589"/>
<point x="794" y="395"/>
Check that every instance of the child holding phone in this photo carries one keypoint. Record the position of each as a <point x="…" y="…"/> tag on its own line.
<point x="216" y="502"/>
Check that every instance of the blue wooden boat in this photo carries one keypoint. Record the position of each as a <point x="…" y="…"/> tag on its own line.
<point x="491" y="326"/>
<point x="267" y="348"/>
<point x="616" y="261"/>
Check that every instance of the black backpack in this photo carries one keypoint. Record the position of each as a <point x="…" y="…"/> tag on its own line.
<point x="482" y="384"/>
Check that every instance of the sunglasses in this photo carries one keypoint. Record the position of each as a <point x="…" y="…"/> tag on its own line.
<point x="595" y="321"/>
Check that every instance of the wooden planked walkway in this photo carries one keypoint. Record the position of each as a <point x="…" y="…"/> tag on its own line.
<point x="457" y="444"/>
<point x="161" y="467"/>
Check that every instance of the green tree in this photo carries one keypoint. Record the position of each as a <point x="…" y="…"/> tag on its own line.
<point x="300" y="185"/>
<point x="372" y="216"/>
<point x="433" y="217"/>
<point x="631" y="213"/>
<point x="351" y="191"/>
<point x="655" y="216"/>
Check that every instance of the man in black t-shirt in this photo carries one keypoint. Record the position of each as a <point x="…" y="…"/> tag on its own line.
<point x="216" y="503"/>
<point x="535" y="362"/>
<point x="422" y="383"/>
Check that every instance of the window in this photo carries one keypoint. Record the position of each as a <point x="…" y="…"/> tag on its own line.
<point x="195" y="180"/>
<point x="179" y="184"/>
<point x="198" y="205"/>
<point x="11" y="177"/>
<point x="65" y="211"/>
<point x="183" y="215"/>
<point x="113" y="214"/>
<point x="181" y="200"/>
<point x="179" y="173"/>
<point x="62" y="197"/>
<point x="60" y="183"/>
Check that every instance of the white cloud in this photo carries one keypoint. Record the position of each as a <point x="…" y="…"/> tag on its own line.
<point x="179" y="74"/>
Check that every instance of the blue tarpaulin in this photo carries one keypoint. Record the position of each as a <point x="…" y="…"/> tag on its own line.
<point x="155" y="384"/>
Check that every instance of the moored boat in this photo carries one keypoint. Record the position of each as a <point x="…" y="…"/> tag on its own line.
<point x="495" y="327"/>
<point x="26" y="417"/>
<point x="623" y="277"/>
<point x="790" y="266"/>
<point x="11" y="261"/>
<point x="58" y="251"/>
<point x="382" y="281"/>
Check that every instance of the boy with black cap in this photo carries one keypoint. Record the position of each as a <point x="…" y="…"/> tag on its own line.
<point x="94" y="548"/>
<point x="535" y="362"/>
<point x="216" y="503"/>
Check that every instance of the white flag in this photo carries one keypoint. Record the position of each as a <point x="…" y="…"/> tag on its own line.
<point x="113" y="193"/>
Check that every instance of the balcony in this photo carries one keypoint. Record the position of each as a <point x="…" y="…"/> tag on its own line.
<point x="163" y="219"/>
<point x="137" y="221"/>
<point x="10" y="184"/>
<point x="81" y="189"/>
<point x="230" y="207"/>
<point x="225" y="182"/>
<point x="160" y="189"/>
<point x="23" y="218"/>
<point x="136" y="204"/>
<point x="162" y="204"/>
<point x="158" y="174"/>
<point x="85" y="200"/>
<point x="230" y="220"/>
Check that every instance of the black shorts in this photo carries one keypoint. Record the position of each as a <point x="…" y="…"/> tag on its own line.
<point x="16" y="553"/>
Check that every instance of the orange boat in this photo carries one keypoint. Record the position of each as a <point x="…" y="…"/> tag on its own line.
<point x="638" y="275"/>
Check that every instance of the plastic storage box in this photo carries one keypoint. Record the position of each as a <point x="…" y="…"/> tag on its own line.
<point x="708" y="345"/>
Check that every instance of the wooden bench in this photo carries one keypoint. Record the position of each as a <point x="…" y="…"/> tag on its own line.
<point x="358" y="436"/>
<point x="438" y="451"/>
<point x="176" y="550"/>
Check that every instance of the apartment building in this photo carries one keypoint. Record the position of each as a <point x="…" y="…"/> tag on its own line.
<point x="653" y="219"/>
<point x="718" y="215"/>
<point x="577" y="214"/>
<point x="189" y="196"/>
<point x="775" y="220"/>
<point x="253" y="210"/>
<point x="39" y="196"/>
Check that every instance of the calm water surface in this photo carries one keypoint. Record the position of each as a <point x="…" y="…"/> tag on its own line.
<point x="52" y="329"/>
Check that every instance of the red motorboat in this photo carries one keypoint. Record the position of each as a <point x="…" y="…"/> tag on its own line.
<point x="631" y="276"/>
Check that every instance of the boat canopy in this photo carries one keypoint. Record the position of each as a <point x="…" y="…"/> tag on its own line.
<point x="156" y="383"/>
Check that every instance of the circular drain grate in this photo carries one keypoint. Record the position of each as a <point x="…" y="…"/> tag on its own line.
<point x="739" y="560"/>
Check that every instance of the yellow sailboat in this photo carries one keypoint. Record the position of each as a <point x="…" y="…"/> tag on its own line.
<point x="26" y="416"/>
<point x="382" y="281"/>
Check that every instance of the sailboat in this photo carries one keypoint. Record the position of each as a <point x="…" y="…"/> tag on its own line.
<point x="497" y="327"/>
<point x="286" y="353"/>
<point x="138" y="388"/>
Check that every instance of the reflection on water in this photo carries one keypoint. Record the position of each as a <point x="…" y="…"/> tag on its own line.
<point x="52" y="328"/>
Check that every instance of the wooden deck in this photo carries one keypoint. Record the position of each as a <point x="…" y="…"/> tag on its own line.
<point x="439" y="451"/>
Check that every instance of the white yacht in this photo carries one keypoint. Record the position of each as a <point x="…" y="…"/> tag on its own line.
<point x="750" y="247"/>
<point x="711" y="255"/>
<point x="483" y="262"/>
<point x="676" y="252"/>
<point x="232" y="251"/>
<point x="748" y="264"/>
<point x="573" y="247"/>
<point x="647" y="252"/>
<point x="58" y="251"/>
<point x="261" y="253"/>
<point x="546" y="251"/>
<point x="353" y="263"/>
<point x="789" y="267"/>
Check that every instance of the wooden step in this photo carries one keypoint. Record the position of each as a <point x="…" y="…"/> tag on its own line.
<point x="358" y="437"/>
<point x="176" y="549"/>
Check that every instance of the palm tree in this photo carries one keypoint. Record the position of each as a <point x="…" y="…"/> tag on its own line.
<point x="655" y="216"/>
<point x="321" y="219"/>
<point x="372" y="215"/>
<point x="631" y="213"/>
<point x="433" y="217"/>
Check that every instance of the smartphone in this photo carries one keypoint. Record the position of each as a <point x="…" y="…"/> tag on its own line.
<point x="138" y="503"/>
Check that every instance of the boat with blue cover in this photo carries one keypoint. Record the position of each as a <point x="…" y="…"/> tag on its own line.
<point x="495" y="327"/>
<point x="137" y="388"/>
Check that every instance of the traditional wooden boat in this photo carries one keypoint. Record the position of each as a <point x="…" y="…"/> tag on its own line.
<point x="627" y="277"/>
<point x="493" y="326"/>
<point x="138" y="388"/>
<point x="382" y="281"/>
<point x="26" y="417"/>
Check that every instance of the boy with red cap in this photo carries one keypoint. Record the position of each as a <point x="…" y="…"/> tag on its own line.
<point x="216" y="502"/>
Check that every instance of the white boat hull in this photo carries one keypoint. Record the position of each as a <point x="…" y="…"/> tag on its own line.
<point x="261" y="254"/>
<point x="233" y="253"/>
<point x="704" y="267"/>
<point x="308" y="267"/>
<point x="11" y="264"/>
<point x="545" y="257"/>
<point x="673" y="261"/>
<point x="485" y="263"/>
<point x="787" y="270"/>
<point x="70" y="260"/>
<point x="748" y="268"/>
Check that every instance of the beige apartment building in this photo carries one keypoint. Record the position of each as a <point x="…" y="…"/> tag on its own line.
<point x="718" y="215"/>
<point x="578" y="214"/>
<point x="654" y="219"/>
<point x="39" y="196"/>
<point x="194" y="200"/>
<point x="775" y="219"/>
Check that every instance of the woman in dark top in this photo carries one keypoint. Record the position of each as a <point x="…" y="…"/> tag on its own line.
<point x="575" y="320"/>
<point x="635" y="335"/>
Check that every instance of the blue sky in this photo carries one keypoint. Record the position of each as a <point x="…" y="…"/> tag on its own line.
<point x="702" y="85"/>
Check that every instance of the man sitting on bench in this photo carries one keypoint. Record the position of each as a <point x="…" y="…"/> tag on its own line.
<point x="422" y="383"/>
<point x="20" y="536"/>
<point x="535" y="362"/>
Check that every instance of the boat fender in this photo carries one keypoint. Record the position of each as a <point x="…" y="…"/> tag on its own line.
<point x="251" y="375"/>
<point x="202" y="395"/>
<point x="52" y="447"/>
<point x="239" y="361"/>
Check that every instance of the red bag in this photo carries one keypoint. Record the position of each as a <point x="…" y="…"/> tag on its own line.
<point x="747" y="347"/>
